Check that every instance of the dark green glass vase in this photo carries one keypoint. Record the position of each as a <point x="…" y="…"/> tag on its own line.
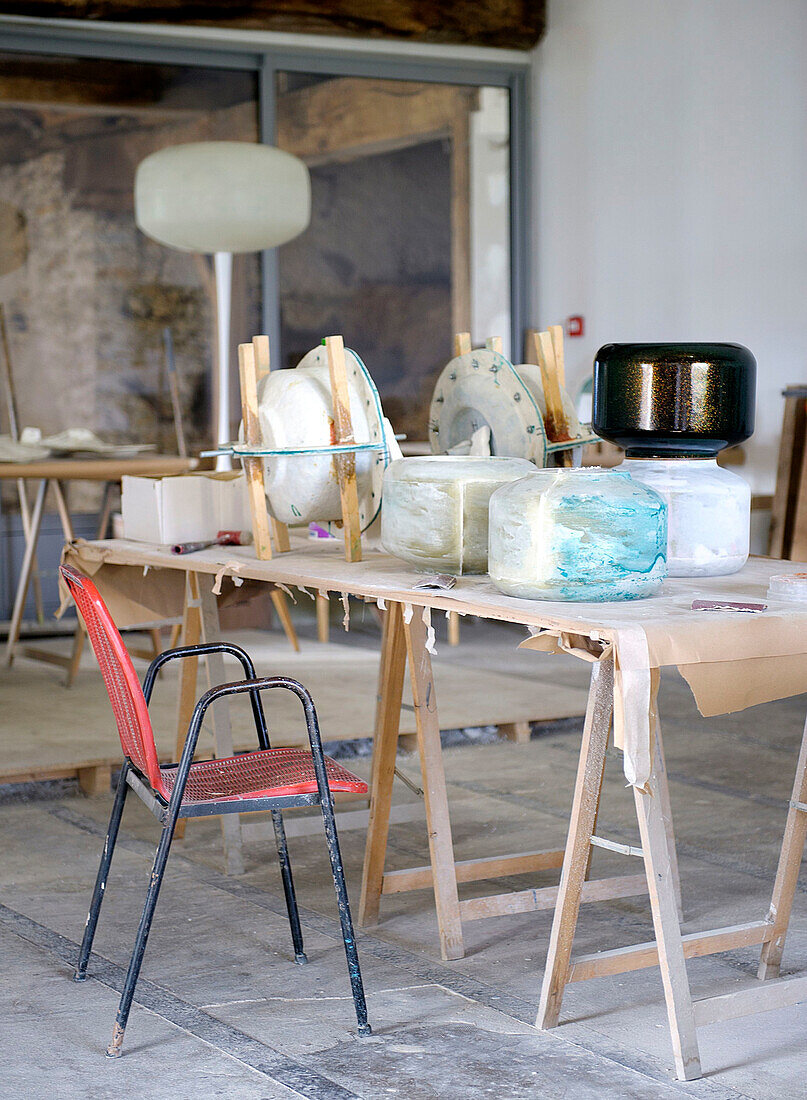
<point x="674" y="400"/>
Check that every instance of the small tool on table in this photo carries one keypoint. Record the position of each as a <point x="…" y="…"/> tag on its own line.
<point x="223" y="538"/>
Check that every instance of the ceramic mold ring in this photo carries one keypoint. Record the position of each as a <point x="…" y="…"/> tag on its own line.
<point x="295" y="409"/>
<point x="483" y="389"/>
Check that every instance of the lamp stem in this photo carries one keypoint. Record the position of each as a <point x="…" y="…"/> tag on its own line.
<point x="223" y="264"/>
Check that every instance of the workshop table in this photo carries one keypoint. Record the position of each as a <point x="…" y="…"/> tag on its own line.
<point x="731" y="660"/>
<point x="56" y="473"/>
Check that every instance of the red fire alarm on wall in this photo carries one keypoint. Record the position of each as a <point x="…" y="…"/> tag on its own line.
<point x="575" y="326"/>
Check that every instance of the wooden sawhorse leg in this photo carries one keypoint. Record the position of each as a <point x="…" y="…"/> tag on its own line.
<point x="438" y="822"/>
<point x="402" y="641"/>
<point x="670" y="949"/>
<point x="787" y="873"/>
<point x="661" y="882"/>
<point x="201" y="624"/>
<point x="385" y="744"/>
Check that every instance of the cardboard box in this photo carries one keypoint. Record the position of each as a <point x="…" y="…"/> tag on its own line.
<point x="185" y="507"/>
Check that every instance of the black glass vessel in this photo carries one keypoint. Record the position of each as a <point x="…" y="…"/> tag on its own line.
<point x="674" y="400"/>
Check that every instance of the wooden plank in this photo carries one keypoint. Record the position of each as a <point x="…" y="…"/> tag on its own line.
<point x="578" y="845"/>
<point x="98" y="469"/>
<point x="345" y="464"/>
<point x="263" y="366"/>
<point x="473" y="870"/>
<point x="253" y="467"/>
<point x="672" y="964"/>
<point x="529" y="901"/>
<point x="441" y="848"/>
<point x="747" y="1002"/>
<point x="385" y="744"/>
<point x="494" y="343"/>
<point x="787" y="871"/>
<point x="696" y="945"/>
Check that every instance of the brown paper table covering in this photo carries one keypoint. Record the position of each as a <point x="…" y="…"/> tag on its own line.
<point x="730" y="660"/>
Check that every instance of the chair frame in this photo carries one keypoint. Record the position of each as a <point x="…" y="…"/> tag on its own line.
<point x="169" y="811"/>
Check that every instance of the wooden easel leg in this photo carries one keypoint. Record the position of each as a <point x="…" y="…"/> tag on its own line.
<point x="441" y="848"/>
<point x="323" y="613"/>
<point x="787" y="873"/>
<point x="385" y="743"/>
<point x="661" y="887"/>
<point x="26" y="570"/>
<point x="282" y="608"/>
<point x="660" y="765"/>
<point x="578" y="845"/>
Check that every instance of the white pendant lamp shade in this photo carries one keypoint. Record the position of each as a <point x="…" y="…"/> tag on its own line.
<point x="222" y="196"/>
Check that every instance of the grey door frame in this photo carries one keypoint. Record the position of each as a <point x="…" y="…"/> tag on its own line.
<point x="267" y="55"/>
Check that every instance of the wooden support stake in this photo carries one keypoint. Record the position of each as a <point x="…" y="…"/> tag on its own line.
<point x="462" y="343"/>
<point x="494" y="343"/>
<point x="263" y="365"/>
<point x="556" y="332"/>
<point x="557" y="427"/>
<point x="345" y="464"/>
<point x="253" y="466"/>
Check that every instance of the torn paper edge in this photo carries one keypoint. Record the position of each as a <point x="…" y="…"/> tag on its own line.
<point x="426" y="616"/>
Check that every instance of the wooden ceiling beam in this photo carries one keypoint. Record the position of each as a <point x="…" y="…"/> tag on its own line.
<point x="514" y="24"/>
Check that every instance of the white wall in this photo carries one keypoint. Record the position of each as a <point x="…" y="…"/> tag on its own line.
<point x="671" y="169"/>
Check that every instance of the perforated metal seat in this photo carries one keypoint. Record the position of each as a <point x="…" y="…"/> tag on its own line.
<point x="274" y="773"/>
<point x="268" y="779"/>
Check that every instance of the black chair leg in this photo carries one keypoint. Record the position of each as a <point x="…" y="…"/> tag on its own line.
<point x="101" y="877"/>
<point x="288" y="888"/>
<point x="354" y="970"/>
<point x="157" y="871"/>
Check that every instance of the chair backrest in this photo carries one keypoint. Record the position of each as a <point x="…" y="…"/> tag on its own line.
<point x="122" y="683"/>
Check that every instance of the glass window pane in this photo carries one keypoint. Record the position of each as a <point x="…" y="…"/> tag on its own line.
<point x="409" y="236"/>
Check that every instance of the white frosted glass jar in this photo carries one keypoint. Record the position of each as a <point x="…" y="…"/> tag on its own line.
<point x="708" y="513"/>
<point x="435" y="509"/>
<point x="580" y="534"/>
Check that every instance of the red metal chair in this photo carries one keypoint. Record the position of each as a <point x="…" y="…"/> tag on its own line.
<point x="269" y="779"/>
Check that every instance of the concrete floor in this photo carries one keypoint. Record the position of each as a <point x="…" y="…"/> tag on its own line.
<point x="222" y="1011"/>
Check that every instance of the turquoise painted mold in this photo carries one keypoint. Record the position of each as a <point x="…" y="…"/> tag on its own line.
<point x="583" y="535"/>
